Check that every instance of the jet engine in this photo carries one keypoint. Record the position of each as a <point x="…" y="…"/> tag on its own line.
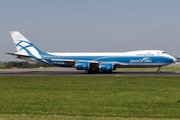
<point x="82" y="65"/>
<point x="106" y="67"/>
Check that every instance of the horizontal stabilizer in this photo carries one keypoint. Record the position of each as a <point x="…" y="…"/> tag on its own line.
<point x="18" y="55"/>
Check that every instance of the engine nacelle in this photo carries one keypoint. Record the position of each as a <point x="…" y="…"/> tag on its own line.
<point x="106" y="67"/>
<point x="82" y="65"/>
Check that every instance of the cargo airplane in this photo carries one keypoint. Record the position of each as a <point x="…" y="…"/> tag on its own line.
<point x="91" y="62"/>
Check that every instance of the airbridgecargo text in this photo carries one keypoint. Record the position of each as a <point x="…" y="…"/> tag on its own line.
<point x="144" y="60"/>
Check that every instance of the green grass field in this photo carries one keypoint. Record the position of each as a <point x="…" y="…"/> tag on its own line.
<point x="68" y="97"/>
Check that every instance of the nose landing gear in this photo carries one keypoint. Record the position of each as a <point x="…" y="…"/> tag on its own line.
<point x="159" y="71"/>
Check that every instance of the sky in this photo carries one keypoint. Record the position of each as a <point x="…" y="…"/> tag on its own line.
<point x="91" y="25"/>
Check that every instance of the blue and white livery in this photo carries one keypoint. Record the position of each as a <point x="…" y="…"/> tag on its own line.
<point x="91" y="62"/>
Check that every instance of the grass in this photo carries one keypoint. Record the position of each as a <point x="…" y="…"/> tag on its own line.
<point x="68" y="97"/>
<point x="60" y="117"/>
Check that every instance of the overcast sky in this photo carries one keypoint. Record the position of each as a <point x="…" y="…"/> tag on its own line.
<point x="91" y="25"/>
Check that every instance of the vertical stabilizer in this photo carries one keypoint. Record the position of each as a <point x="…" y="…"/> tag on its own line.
<point x="24" y="46"/>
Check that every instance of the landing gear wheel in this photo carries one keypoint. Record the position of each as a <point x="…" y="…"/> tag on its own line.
<point x="158" y="71"/>
<point x="92" y="71"/>
<point x="88" y="71"/>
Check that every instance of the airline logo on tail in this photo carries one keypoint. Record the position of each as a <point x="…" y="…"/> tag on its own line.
<point x="24" y="46"/>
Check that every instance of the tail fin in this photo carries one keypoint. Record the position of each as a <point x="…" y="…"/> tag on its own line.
<point x="24" y="46"/>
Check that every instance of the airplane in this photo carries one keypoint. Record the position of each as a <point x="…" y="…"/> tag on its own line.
<point x="91" y="62"/>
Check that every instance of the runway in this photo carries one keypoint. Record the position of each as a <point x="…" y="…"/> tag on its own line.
<point x="74" y="72"/>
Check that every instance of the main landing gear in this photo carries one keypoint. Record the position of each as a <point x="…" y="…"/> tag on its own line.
<point x="159" y="71"/>
<point x="92" y="71"/>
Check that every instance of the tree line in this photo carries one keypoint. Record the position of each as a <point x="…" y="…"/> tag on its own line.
<point x="24" y="64"/>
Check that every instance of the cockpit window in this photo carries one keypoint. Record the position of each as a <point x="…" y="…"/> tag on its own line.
<point x="163" y="52"/>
